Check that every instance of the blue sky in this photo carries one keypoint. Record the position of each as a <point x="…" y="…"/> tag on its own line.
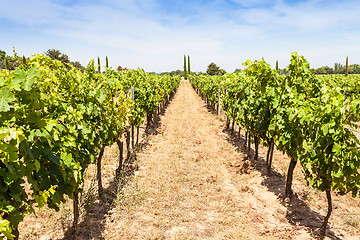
<point x="155" y="34"/>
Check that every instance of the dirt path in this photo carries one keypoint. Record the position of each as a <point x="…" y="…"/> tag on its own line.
<point x="191" y="184"/>
<point x="186" y="189"/>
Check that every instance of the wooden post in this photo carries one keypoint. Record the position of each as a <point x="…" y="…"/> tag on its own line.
<point x="219" y="104"/>
<point x="249" y="143"/>
<point x="132" y="125"/>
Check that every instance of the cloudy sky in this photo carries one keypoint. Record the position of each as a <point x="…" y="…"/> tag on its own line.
<point x="155" y="34"/>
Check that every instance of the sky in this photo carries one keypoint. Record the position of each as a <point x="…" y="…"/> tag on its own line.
<point x="156" y="34"/>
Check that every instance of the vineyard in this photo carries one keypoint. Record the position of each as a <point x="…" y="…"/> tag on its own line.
<point x="56" y="121"/>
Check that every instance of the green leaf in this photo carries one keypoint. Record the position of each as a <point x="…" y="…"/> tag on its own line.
<point x="336" y="148"/>
<point x="5" y="228"/>
<point x="25" y="78"/>
<point x="338" y="174"/>
<point x="325" y="129"/>
<point x="27" y="150"/>
<point x="32" y="75"/>
<point x="6" y="97"/>
<point x="56" y="199"/>
<point x="67" y="159"/>
<point x="50" y="124"/>
<point x="102" y="95"/>
<point x="355" y="105"/>
<point x="37" y="165"/>
<point x="271" y="91"/>
<point x="52" y="156"/>
<point x="41" y="199"/>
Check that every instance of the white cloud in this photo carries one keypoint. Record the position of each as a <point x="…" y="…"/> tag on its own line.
<point x="146" y="34"/>
<point x="308" y="16"/>
<point x="30" y="12"/>
<point x="251" y="3"/>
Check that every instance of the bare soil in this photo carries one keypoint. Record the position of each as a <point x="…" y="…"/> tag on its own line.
<point x="192" y="181"/>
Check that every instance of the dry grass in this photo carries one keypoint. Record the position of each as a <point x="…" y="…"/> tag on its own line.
<point x="192" y="183"/>
<point x="190" y="192"/>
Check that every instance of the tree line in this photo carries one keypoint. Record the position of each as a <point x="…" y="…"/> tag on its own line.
<point x="338" y="69"/>
<point x="11" y="62"/>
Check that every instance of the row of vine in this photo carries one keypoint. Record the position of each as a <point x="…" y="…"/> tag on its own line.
<point x="54" y="120"/>
<point x="310" y="118"/>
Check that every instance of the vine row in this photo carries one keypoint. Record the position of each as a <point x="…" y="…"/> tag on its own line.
<point x="310" y="118"/>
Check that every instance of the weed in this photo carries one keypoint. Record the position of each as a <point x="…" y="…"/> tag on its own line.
<point x="130" y="194"/>
<point x="353" y="221"/>
<point x="87" y="198"/>
<point x="66" y="218"/>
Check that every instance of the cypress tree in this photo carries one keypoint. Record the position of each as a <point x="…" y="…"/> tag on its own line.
<point x="6" y="63"/>
<point x="189" y="71"/>
<point x="23" y="59"/>
<point x="107" y="62"/>
<point x="99" y="65"/>
<point x="347" y="67"/>
<point x="185" y="73"/>
<point x="277" y="65"/>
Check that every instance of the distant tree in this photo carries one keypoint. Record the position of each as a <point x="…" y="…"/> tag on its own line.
<point x="347" y="67"/>
<point x="328" y="70"/>
<point x="15" y="53"/>
<point x="212" y="69"/>
<point x="337" y="68"/>
<point x="9" y="63"/>
<point x="57" y="55"/>
<point x="237" y="70"/>
<point x="185" y="72"/>
<point x="222" y="71"/>
<point x="314" y="71"/>
<point x="173" y="73"/>
<point x="120" y="69"/>
<point x="355" y="69"/>
<point x="107" y="62"/>
<point x="277" y="65"/>
<point x="24" y="60"/>
<point x="64" y="58"/>
<point x="2" y="55"/>
<point x="283" y="71"/>
<point x="6" y="63"/>
<point x="177" y="72"/>
<point x="323" y="70"/>
<point x="188" y="69"/>
<point x="78" y="65"/>
<point x="99" y="67"/>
